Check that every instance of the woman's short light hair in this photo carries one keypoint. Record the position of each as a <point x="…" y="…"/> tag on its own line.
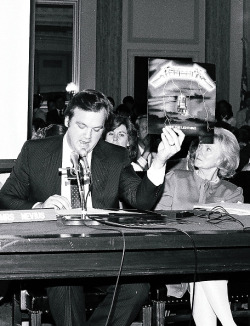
<point x="230" y="152"/>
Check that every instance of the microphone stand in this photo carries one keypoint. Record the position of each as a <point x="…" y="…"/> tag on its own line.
<point x="80" y="184"/>
<point x="81" y="175"/>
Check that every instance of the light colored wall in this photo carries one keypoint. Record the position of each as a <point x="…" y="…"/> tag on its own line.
<point x="88" y="44"/>
<point x="236" y="53"/>
<point x="164" y="28"/>
<point x="14" y="64"/>
<point x="14" y="67"/>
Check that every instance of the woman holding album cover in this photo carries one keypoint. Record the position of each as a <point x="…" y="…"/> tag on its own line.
<point x="182" y="190"/>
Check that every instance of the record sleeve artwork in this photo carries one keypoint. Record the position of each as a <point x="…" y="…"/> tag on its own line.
<point x="181" y="95"/>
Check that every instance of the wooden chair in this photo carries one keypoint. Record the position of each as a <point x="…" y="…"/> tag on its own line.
<point x="178" y="310"/>
<point x="31" y="304"/>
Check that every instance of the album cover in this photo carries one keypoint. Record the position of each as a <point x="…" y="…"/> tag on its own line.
<point x="182" y="95"/>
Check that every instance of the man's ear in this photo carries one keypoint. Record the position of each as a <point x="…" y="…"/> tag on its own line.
<point x="66" y="122"/>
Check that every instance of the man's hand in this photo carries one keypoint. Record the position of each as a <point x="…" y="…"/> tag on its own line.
<point x="171" y="141"/>
<point x="55" y="201"/>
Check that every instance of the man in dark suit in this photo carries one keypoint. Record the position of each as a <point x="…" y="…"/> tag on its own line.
<point x="56" y="116"/>
<point x="35" y="183"/>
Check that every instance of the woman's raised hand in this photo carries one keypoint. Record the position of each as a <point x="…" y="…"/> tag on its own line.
<point x="171" y="141"/>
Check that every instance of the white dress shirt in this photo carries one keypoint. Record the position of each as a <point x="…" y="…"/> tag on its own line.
<point x="66" y="163"/>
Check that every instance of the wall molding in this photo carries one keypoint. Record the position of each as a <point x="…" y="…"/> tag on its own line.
<point x="192" y="38"/>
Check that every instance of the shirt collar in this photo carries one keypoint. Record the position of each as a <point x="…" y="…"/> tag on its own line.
<point x="66" y="162"/>
<point x="214" y="182"/>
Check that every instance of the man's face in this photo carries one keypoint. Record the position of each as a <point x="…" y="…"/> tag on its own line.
<point x="60" y="103"/>
<point x="84" y="129"/>
<point x="143" y="128"/>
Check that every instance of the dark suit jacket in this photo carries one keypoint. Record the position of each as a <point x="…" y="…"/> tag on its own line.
<point x="35" y="177"/>
<point x="54" y="118"/>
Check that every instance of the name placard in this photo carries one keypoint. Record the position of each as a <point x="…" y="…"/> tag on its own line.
<point x="30" y="215"/>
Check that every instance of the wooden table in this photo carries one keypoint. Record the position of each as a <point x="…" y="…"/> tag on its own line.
<point x="49" y="250"/>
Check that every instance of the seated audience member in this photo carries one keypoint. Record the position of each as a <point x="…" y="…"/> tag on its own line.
<point x="123" y="110"/>
<point x="51" y="105"/>
<point x="113" y="179"/>
<point x="38" y="112"/>
<point x="37" y="124"/>
<point x="130" y="103"/>
<point x="51" y="130"/>
<point x="243" y="137"/>
<point x="144" y="149"/>
<point x="39" y="115"/>
<point x="120" y="131"/>
<point x="224" y="112"/>
<point x="183" y="189"/>
<point x="111" y="100"/>
<point x="246" y="167"/>
<point x="243" y="115"/>
<point x="242" y="179"/>
<point x="56" y="116"/>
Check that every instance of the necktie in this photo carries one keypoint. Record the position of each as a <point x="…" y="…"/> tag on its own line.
<point x="75" y="195"/>
<point x="85" y="181"/>
<point x="74" y="189"/>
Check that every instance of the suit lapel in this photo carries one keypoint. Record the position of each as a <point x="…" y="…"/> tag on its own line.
<point x="51" y="164"/>
<point x="99" y="170"/>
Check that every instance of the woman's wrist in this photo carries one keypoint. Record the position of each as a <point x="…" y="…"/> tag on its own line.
<point x="145" y="155"/>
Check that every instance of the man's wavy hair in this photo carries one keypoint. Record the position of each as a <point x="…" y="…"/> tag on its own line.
<point x="113" y="122"/>
<point x="88" y="100"/>
<point x="230" y="152"/>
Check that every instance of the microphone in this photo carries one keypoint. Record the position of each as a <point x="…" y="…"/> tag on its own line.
<point x="85" y="163"/>
<point x="74" y="157"/>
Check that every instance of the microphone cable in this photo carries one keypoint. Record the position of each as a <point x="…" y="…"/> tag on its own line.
<point x="120" y="266"/>
<point x="158" y="229"/>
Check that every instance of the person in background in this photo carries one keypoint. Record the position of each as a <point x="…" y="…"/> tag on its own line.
<point x="120" y="131"/>
<point x="49" y="131"/>
<point x="144" y="149"/>
<point x="243" y="116"/>
<point x="243" y="137"/>
<point x="38" y="112"/>
<point x="51" y="105"/>
<point x="113" y="179"/>
<point x="56" y="116"/>
<point x="224" y="112"/>
<point x="129" y="101"/>
<point x="182" y="190"/>
<point x="111" y="100"/>
<point x="38" y="123"/>
<point x="39" y="115"/>
<point x="123" y="111"/>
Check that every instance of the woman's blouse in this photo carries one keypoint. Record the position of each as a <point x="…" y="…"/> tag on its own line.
<point x="184" y="189"/>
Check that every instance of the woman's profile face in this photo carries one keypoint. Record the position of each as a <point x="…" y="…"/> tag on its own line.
<point x="118" y="136"/>
<point x="208" y="156"/>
